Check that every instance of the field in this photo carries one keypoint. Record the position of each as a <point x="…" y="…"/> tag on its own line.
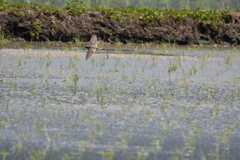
<point x="167" y="85"/>
<point x="145" y="101"/>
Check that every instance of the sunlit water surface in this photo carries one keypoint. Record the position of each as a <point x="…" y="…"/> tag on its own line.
<point x="140" y="103"/>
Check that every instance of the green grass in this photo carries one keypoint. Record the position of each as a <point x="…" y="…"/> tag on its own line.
<point x="117" y="13"/>
<point x="140" y="16"/>
<point x="4" y="39"/>
<point x="162" y="4"/>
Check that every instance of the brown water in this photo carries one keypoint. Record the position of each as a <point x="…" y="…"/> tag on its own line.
<point x="143" y="102"/>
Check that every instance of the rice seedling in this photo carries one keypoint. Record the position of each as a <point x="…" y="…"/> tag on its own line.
<point x="173" y="67"/>
<point x="34" y="88"/>
<point x="100" y="127"/>
<point x="93" y="135"/>
<point x="193" y="70"/>
<point x="48" y="63"/>
<point x="19" y="62"/>
<point x="162" y="106"/>
<point x="41" y="153"/>
<point x="43" y="102"/>
<point x="86" y="114"/>
<point x="8" y="104"/>
<point x="42" y="61"/>
<point x="19" y="150"/>
<point x="92" y="62"/>
<point x="68" y="155"/>
<point x="140" y="153"/>
<point x="155" y="142"/>
<point x="228" y="60"/>
<point x="123" y="109"/>
<point x="4" y="154"/>
<point x="124" y="137"/>
<point x="190" y="139"/>
<point x="116" y="64"/>
<point x="215" y="153"/>
<point x="177" y="154"/>
<point x="108" y="154"/>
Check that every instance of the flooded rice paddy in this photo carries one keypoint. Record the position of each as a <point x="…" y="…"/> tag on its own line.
<point x="155" y="103"/>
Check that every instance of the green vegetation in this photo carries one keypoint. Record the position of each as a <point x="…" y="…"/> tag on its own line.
<point x="158" y="14"/>
<point x="3" y="39"/>
<point x="162" y="4"/>
<point x="47" y="22"/>
<point x="145" y="14"/>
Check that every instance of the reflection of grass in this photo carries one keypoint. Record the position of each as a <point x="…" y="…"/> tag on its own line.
<point x="140" y="154"/>
<point x="193" y="70"/>
<point x="41" y="153"/>
<point x="3" y="154"/>
<point x="190" y="140"/>
<point x="221" y="150"/>
<point x="155" y="142"/>
<point x="108" y="154"/>
<point x="228" y="59"/>
<point x="8" y="104"/>
<point x="34" y="87"/>
<point x="71" y="83"/>
<point x="123" y="140"/>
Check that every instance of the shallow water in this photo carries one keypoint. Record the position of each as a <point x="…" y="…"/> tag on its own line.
<point x="140" y="103"/>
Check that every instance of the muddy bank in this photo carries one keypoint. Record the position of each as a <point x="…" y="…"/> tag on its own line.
<point x="60" y="25"/>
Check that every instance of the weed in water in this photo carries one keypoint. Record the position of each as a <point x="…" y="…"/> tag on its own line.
<point x="123" y="109"/>
<point x="100" y="127"/>
<point x="3" y="154"/>
<point x="173" y="67"/>
<point x="108" y="154"/>
<point x="193" y="70"/>
<point x="155" y="142"/>
<point x="93" y="135"/>
<point x="8" y="104"/>
<point x="34" y="88"/>
<point x="228" y="59"/>
<point x="48" y="63"/>
<point x="140" y="153"/>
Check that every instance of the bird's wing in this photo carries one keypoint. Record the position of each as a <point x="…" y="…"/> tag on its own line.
<point x="90" y="52"/>
<point x="93" y="40"/>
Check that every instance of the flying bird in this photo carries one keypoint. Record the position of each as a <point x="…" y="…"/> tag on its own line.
<point x="93" y="47"/>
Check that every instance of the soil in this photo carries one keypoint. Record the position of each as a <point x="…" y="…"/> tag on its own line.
<point x="32" y="25"/>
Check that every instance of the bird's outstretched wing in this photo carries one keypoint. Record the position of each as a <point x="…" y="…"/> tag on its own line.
<point x="90" y="52"/>
<point x="93" y="40"/>
<point x="92" y="48"/>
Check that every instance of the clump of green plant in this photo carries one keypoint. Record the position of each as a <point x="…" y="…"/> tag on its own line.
<point x="35" y="28"/>
<point x="108" y="155"/>
<point x="75" y="7"/>
<point x="4" y="39"/>
<point x="152" y="15"/>
<point x="158" y="15"/>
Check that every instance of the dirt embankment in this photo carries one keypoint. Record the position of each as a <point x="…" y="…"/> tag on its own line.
<point x="61" y="26"/>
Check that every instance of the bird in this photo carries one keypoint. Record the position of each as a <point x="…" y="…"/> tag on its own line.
<point x="93" y="47"/>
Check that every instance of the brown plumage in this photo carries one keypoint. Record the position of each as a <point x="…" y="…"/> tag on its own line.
<point x="93" y="46"/>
